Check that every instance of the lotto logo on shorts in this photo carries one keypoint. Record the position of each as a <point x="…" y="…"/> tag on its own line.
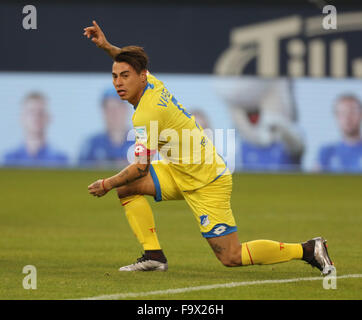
<point x="218" y="230"/>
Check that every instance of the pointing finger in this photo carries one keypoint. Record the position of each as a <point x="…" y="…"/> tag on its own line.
<point x="96" y="25"/>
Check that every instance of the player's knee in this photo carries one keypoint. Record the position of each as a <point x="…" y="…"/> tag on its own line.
<point x="232" y="259"/>
<point x="120" y="193"/>
<point x="230" y="262"/>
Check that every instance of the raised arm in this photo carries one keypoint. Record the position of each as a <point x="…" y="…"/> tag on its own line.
<point x="97" y="36"/>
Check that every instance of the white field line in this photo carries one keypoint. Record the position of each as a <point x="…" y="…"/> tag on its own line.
<point x="209" y="287"/>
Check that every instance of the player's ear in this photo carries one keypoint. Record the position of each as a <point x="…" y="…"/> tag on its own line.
<point x="144" y="75"/>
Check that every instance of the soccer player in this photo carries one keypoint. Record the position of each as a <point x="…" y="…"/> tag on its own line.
<point x="346" y="155"/>
<point x="181" y="175"/>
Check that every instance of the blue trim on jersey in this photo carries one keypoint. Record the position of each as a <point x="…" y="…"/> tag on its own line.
<point x="158" y="196"/>
<point x="221" y="229"/>
<point x="148" y="85"/>
<point x="223" y="170"/>
<point x="219" y="175"/>
<point x="222" y="159"/>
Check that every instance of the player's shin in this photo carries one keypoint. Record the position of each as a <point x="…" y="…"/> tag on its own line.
<point x="269" y="252"/>
<point x="140" y="217"/>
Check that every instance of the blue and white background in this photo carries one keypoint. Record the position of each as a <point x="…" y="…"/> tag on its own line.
<point x="74" y="102"/>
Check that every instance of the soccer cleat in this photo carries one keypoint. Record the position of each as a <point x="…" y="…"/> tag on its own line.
<point x="145" y="264"/>
<point x="316" y="254"/>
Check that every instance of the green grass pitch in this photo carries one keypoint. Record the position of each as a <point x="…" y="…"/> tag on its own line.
<point x="77" y="242"/>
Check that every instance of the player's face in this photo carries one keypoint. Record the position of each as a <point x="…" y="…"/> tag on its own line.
<point x="349" y="116"/>
<point x="128" y="83"/>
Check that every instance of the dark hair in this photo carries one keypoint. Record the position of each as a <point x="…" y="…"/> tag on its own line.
<point x="135" y="56"/>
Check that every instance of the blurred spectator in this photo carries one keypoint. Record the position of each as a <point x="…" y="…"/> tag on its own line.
<point x="266" y="119"/>
<point x="109" y="147"/>
<point x="35" y="150"/>
<point x="346" y="155"/>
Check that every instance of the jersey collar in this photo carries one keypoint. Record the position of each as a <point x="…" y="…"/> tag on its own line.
<point x="148" y="86"/>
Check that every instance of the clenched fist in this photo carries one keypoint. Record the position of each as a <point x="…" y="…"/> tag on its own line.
<point x="97" y="188"/>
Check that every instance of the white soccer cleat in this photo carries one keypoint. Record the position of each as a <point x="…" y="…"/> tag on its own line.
<point x="145" y="264"/>
<point x="320" y="257"/>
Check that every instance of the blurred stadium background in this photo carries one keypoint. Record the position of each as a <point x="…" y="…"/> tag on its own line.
<point x="271" y="76"/>
<point x="272" y="73"/>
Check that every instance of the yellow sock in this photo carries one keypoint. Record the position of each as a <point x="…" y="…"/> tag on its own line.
<point x="268" y="252"/>
<point x="140" y="217"/>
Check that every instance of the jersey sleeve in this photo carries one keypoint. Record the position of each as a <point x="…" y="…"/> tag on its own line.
<point x="147" y="125"/>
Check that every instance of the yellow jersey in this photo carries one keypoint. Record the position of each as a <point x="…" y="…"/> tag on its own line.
<point x="162" y="124"/>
